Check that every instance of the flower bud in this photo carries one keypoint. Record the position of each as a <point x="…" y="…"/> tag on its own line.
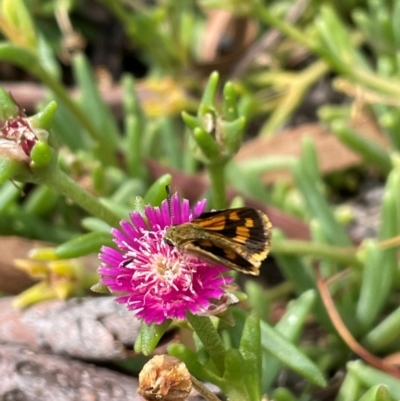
<point x="24" y="147"/>
<point x="16" y="142"/>
<point x="19" y="131"/>
<point x="216" y="135"/>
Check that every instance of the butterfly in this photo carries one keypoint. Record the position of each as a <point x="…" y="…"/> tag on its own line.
<point x="238" y="239"/>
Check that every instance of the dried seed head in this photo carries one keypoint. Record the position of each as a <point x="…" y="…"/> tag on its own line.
<point x="164" y="378"/>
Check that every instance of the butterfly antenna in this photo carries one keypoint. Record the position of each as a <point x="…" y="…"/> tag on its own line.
<point x="167" y="189"/>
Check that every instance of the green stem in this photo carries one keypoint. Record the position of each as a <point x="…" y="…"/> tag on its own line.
<point x="291" y="100"/>
<point x="107" y="153"/>
<point x="209" y="337"/>
<point x="266" y="15"/>
<point x="346" y="256"/>
<point x="376" y="82"/>
<point x="144" y="40"/>
<point x="361" y="76"/>
<point x="259" y="165"/>
<point x="216" y="172"/>
<point x="370" y="151"/>
<point x="58" y="180"/>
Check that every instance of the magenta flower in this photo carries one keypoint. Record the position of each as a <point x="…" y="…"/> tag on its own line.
<point x="157" y="281"/>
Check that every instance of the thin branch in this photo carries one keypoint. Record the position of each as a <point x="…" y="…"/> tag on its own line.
<point x="345" y="334"/>
<point x="203" y="390"/>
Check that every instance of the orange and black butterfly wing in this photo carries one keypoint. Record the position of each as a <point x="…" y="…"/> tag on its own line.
<point x="241" y="236"/>
<point x="222" y="255"/>
<point x="245" y="226"/>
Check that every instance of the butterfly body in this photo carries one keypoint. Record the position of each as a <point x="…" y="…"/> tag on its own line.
<point x="239" y="238"/>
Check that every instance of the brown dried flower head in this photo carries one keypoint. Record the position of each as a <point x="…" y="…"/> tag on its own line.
<point x="164" y="378"/>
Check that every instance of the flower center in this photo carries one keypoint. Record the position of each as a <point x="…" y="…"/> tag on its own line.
<point x="164" y="267"/>
<point x="152" y="259"/>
